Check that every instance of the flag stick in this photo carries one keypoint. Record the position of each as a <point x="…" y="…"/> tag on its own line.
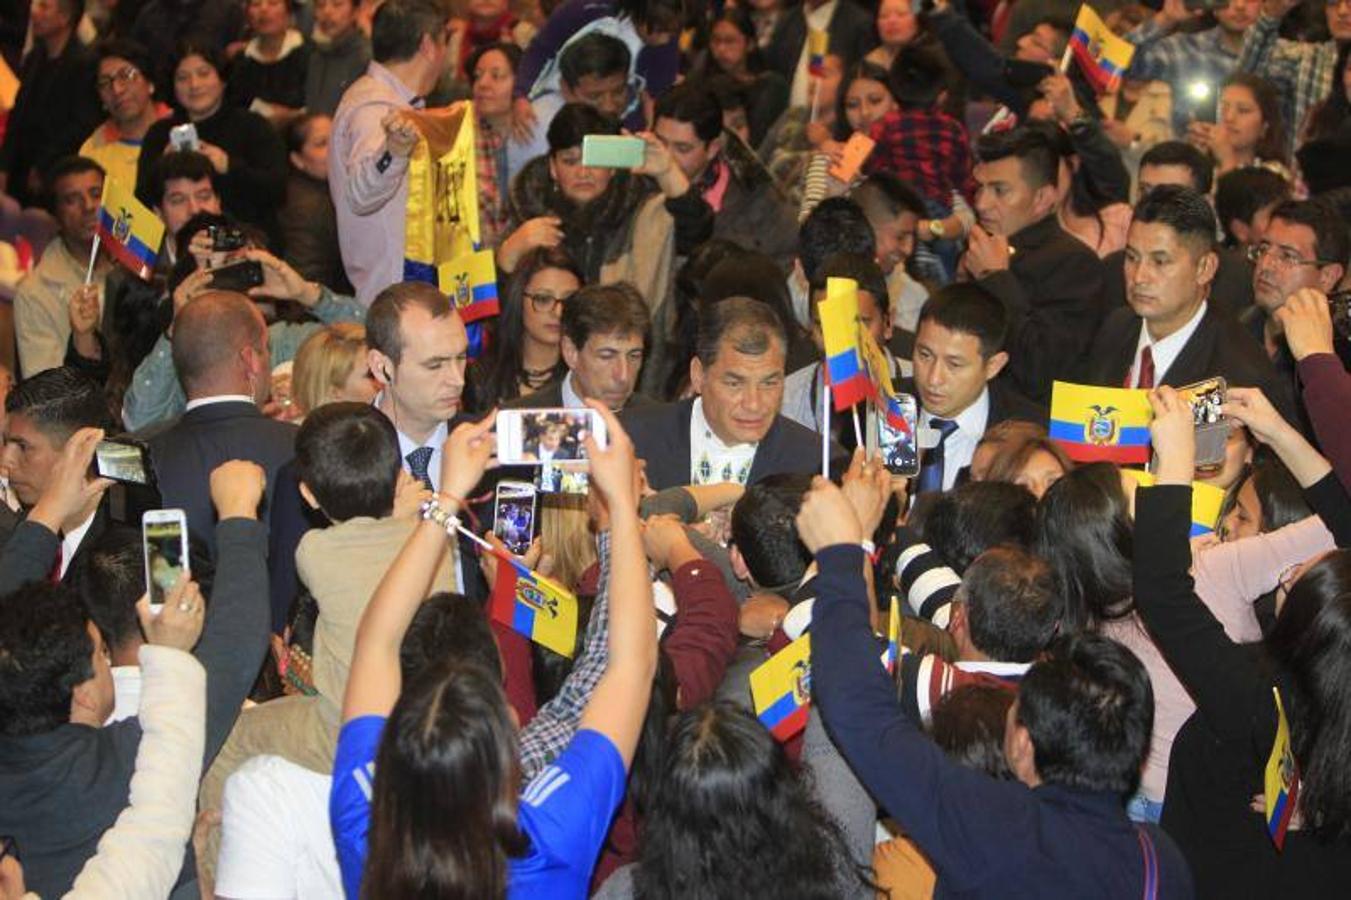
<point x="473" y="537"/>
<point x="825" y="429"/>
<point x="1065" y="58"/>
<point x="815" y="85"/>
<point x="858" y="429"/>
<point x="93" y="256"/>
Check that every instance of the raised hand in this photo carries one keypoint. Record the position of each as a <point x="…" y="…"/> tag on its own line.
<point x="237" y="489"/>
<point x="467" y="454"/>
<point x="1307" y="322"/>
<point x="179" y="623"/>
<point x="71" y="494"/>
<point x="1173" y="433"/>
<point x="827" y="517"/>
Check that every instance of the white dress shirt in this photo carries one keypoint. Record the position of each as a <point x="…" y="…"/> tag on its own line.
<point x="961" y="444"/>
<point x="712" y="461"/>
<point x="219" y="398"/>
<point x="70" y="542"/>
<point x="1165" y="350"/>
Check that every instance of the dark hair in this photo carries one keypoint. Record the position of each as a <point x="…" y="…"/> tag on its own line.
<point x="692" y="280"/>
<point x="662" y="15"/>
<point x="209" y="333"/>
<point x="510" y="51"/>
<point x="574" y="122"/>
<point x="1280" y="499"/>
<point x="109" y="577"/>
<point x="1011" y="603"/>
<point x="1017" y="442"/>
<point x="919" y="74"/>
<point x="60" y="402"/>
<point x="1084" y="531"/>
<point x="398" y="27"/>
<point x="448" y="626"/>
<point x="1328" y="117"/>
<point x="695" y="104"/>
<point x="67" y="166"/>
<point x="186" y="165"/>
<point x="860" y="71"/>
<point x="730" y="93"/>
<point x="1332" y="243"/>
<point x="1184" y="210"/>
<point x="836" y="225"/>
<point x="884" y="194"/>
<point x="605" y="309"/>
<point x="297" y="131"/>
<point x="753" y="274"/>
<point x="764" y="530"/>
<point x="968" y="725"/>
<point x="348" y="456"/>
<point x="740" y="19"/>
<point x="1034" y="149"/>
<point x="45" y="653"/>
<point x="443" y="817"/>
<point x="1086" y="196"/>
<point x="131" y="51"/>
<point x="965" y="522"/>
<point x="1311" y="642"/>
<point x="727" y="801"/>
<point x="752" y="326"/>
<point x="970" y="309"/>
<point x="862" y="269"/>
<point x="1089" y="708"/>
<point x="1272" y="145"/>
<point x="383" y="328"/>
<point x="1242" y="193"/>
<point x="595" y="54"/>
<point x="1181" y="153"/>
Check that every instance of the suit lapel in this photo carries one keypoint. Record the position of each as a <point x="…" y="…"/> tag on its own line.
<point x="1197" y="354"/>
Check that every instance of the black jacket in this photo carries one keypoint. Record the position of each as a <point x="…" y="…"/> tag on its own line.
<point x="661" y="436"/>
<point x="851" y="31"/>
<point x="1219" y="346"/>
<point x="755" y="213"/>
<point x="1052" y="291"/>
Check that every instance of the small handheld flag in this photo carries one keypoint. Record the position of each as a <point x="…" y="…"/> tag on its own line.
<point x="781" y="689"/>
<point x="131" y="232"/>
<point x="1206" y="501"/>
<point x="1096" y="424"/>
<point x="1103" y="57"/>
<point x="533" y="605"/>
<point x="877" y="366"/>
<point x="1281" y="792"/>
<point x="893" y="651"/>
<point x="470" y="281"/>
<point x="839" y="327"/>
<point x="818" y="44"/>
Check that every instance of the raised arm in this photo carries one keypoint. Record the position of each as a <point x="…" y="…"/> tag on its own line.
<point x="1306" y="321"/>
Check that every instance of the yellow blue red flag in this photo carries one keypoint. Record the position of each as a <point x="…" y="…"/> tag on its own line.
<point x="1097" y="424"/>
<point x="781" y="688"/>
<point x="1281" y="792"/>
<point x="470" y="281"/>
<point x="532" y="605"/>
<point x="130" y="231"/>
<point x="840" y="330"/>
<point x="893" y="651"/>
<point x="1206" y="501"/>
<point x="877" y="366"/>
<point x="1103" y="57"/>
<point x="818" y="44"/>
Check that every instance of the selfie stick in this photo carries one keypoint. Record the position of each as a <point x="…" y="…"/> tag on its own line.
<point x="93" y="255"/>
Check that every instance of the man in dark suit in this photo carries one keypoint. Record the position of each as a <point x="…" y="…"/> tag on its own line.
<point x="1170" y="334"/>
<point x="1049" y="282"/>
<point x="732" y="430"/>
<point x="851" y="33"/>
<point x="959" y="352"/>
<point x="220" y="352"/>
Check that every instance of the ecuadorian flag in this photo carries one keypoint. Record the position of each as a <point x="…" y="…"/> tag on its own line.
<point x="470" y="281"/>
<point x="532" y="605"/>
<point x="781" y="688"/>
<point x="1281" y="791"/>
<point x="1101" y="424"/>
<point x="1206" y="501"/>
<point x="1103" y="57"/>
<point x="818" y="44"/>
<point x="839" y="328"/>
<point x="131" y="232"/>
<point x="893" y="651"/>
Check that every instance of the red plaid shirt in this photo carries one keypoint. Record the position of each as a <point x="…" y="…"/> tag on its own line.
<point x="927" y="149"/>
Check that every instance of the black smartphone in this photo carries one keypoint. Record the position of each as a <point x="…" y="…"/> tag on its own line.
<point x="238" y="276"/>
<point x="123" y="459"/>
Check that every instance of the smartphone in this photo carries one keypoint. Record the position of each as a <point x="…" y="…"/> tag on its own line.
<point x="1202" y="100"/>
<point x="514" y="514"/>
<point x="1212" y="428"/>
<point x="538" y="436"/>
<point x="184" y="137"/>
<point x="897" y="424"/>
<point x="239" y="276"/>
<point x="613" y="151"/>
<point x="164" y="535"/>
<point x="123" y="459"/>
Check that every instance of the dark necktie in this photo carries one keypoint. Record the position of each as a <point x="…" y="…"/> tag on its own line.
<point x="1146" y="379"/>
<point x="931" y="475"/>
<point x="418" y="462"/>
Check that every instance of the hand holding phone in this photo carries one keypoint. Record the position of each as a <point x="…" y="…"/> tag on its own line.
<point x="613" y="151"/>
<point x="1207" y="399"/>
<point x="184" y="137"/>
<point x="239" y="276"/>
<point x="123" y="459"/>
<point x="538" y="436"/>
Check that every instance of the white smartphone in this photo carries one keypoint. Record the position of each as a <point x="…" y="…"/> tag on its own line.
<point x="514" y="514"/>
<point x="164" y="537"/>
<point x="184" y="137"/>
<point x="535" y="437"/>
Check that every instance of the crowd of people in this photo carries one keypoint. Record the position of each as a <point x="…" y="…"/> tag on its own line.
<point x="1094" y="690"/>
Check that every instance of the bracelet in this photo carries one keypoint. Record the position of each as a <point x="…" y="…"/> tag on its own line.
<point x="432" y="511"/>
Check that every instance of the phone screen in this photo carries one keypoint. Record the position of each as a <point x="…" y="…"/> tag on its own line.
<point x="166" y="553"/>
<point x="546" y="436"/>
<point x="121" y="462"/>
<point x="514" y="515"/>
<point x="896" y="436"/>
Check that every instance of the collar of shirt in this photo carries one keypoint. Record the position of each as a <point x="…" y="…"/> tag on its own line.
<point x="293" y="41"/>
<point x="219" y="398"/>
<point x="70" y="541"/>
<point x="715" y="184"/>
<point x="403" y="91"/>
<point x="570" y="397"/>
<point x="723" y="462"/>
<point x="969" y="421"/>
<point x="991" y="667"/>
<point x="1166" y="350"/>
<point x="961" y="444"/>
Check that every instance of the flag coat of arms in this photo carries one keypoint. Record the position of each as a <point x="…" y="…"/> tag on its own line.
<point x="1281" y="782"/>
<point x="818" y="44"/>
<point x="1101" y="424"/>
<point x="470" y="281"/>
<point x="131" y="233"/>
<point x="1103" y="57"/>
<point x="781" y="688"/>
<point x="840" y="330"/>
<point x="534" y="606"/>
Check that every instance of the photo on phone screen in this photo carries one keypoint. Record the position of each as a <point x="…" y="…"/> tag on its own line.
<point x="514" y="515"/>
<point x="164" y="535"/>
<point x="122" y="461"/>
<point x="538" y="436"/>
<point x="1205" y="398"/>
<point x="563" y="478"/>
<point x="896" y="426"/>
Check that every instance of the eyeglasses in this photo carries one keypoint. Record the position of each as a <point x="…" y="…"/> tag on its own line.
<point x="123" y="76"/>
<point x="1281" y="259"/>
<point x="543" y="302"/>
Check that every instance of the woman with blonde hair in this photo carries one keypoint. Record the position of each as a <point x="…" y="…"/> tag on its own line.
<point x="331" y="366"/>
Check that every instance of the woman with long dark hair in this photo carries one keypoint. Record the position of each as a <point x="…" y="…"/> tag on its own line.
<point x="734" y="54"/>
<point x="1219" y="799"/>
<point x="1249" y="128"/>
<point x="426" y="798"/>
<point x="526" y="349"/>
